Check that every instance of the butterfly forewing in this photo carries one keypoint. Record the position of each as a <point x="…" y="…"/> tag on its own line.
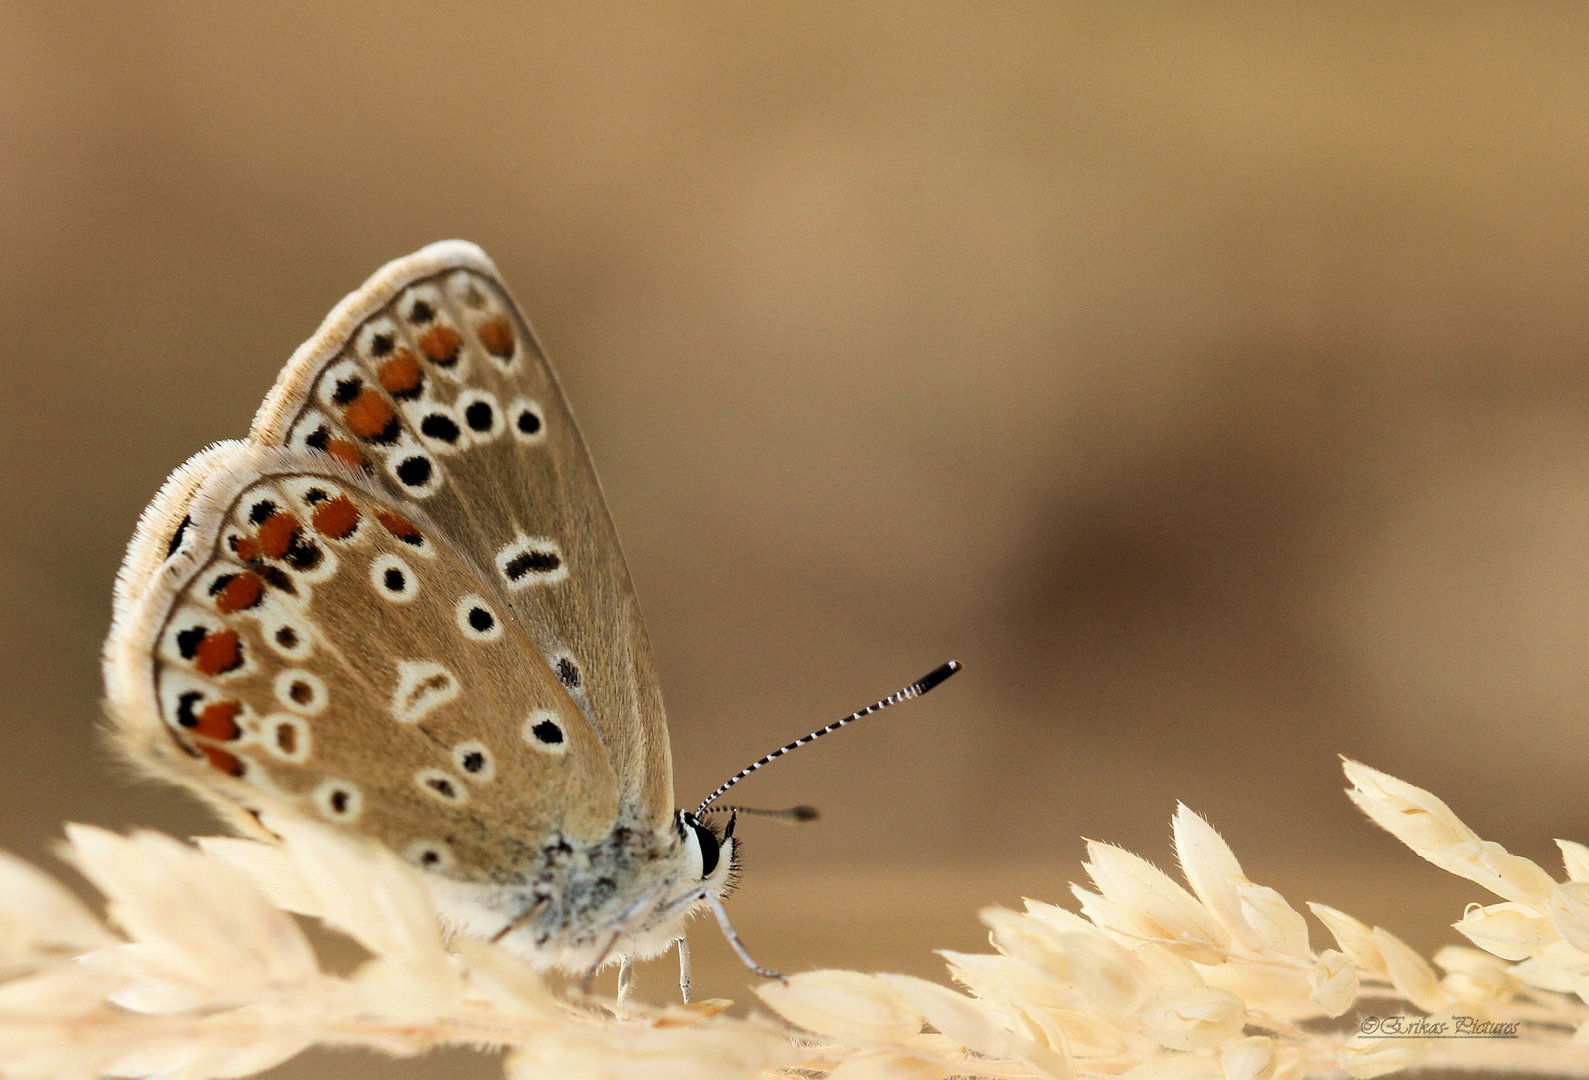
<point x="323" y="649"/>
<point x="429" y="381"/>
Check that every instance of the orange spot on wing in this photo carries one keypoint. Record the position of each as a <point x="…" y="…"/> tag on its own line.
<point x="440" y="343"/>
<point x="277" y="533"/>
<point x="346" y="453"/>
<point x="497" y="337"/>
<point x="245" y="549"/>
<point x="369" y="415"/>
<point x="398" y="526"/>
<point x="243" y="591"/>
<point x="216" y="654"/>
<point x="336" y="518"/>
<point x="219" y="721"/>
<point x="399" y="373"/>
<point x="220" y="759"/>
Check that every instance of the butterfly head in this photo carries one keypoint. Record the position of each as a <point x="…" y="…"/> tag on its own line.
<point x="715" y="856"/>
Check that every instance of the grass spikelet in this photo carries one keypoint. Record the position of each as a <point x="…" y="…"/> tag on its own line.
<point x="198" y="970"/>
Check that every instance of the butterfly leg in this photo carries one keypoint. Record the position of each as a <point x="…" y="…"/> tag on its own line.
<point x="625" y="979"/>
<point x="684" y="968"/>
<point x="621" y="921"/>
<point x="733" y="939"/>
<point x="523" y="919"/>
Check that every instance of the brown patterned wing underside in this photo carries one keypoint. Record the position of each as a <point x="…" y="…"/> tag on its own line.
<point x="331" y="655"/>
<point x="430" y="381"/>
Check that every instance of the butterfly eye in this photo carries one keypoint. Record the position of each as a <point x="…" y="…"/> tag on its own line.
<point x="707" y="839"/>
<point x="338" y="800"/>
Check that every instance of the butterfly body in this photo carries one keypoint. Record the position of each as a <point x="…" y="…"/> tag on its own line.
<point x="399" y="608"/>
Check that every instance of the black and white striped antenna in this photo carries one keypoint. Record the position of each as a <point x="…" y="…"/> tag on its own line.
<point x="915" y="689"/>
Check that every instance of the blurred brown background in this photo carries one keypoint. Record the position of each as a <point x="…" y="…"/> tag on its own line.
<point x="1213" y="380"/>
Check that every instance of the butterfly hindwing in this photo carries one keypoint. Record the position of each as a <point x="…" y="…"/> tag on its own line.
<point x="313" y="646"/>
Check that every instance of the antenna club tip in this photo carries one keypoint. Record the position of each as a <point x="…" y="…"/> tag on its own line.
<point x="936" y="676"/>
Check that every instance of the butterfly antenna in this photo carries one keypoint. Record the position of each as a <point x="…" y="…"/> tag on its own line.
<point x="915" y="689"/>
<point x="794" y="815"/>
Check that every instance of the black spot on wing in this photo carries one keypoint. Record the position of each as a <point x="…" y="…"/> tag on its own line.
<point x="176" y="537"/>
<point x="440" y="427"/>
<point x="532" y="562"/>
<point x="414" y="471"/>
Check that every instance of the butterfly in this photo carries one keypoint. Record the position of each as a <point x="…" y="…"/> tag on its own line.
<point x="399" y="607"/>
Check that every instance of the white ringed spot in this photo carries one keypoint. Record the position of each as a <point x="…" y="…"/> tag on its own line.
<point x="430" y="855"/>
<point x="286" y="635"/>
<point x="465" y="290"/>
<point x="301" y="691"/>
<point x="531" y="560"/>
<point x="393" y="579"/>
<point x="442" y="786"/>
<point x="568" y="671"/>
<point x="482" y="416"/>
<point x="338" y="800"/>
<point x="475" y="761"/>
<point x="440" y="429"/>
<point x="414" y="468"/>
<point x="476" y="618"/>
<point x="377" y="339"/>
<point x="544" y="732"/>
<point x="422" y="686"/>
<point x="528" y="421"/>
<point x="340" y="384"/>
<point x="287" y="737"/>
